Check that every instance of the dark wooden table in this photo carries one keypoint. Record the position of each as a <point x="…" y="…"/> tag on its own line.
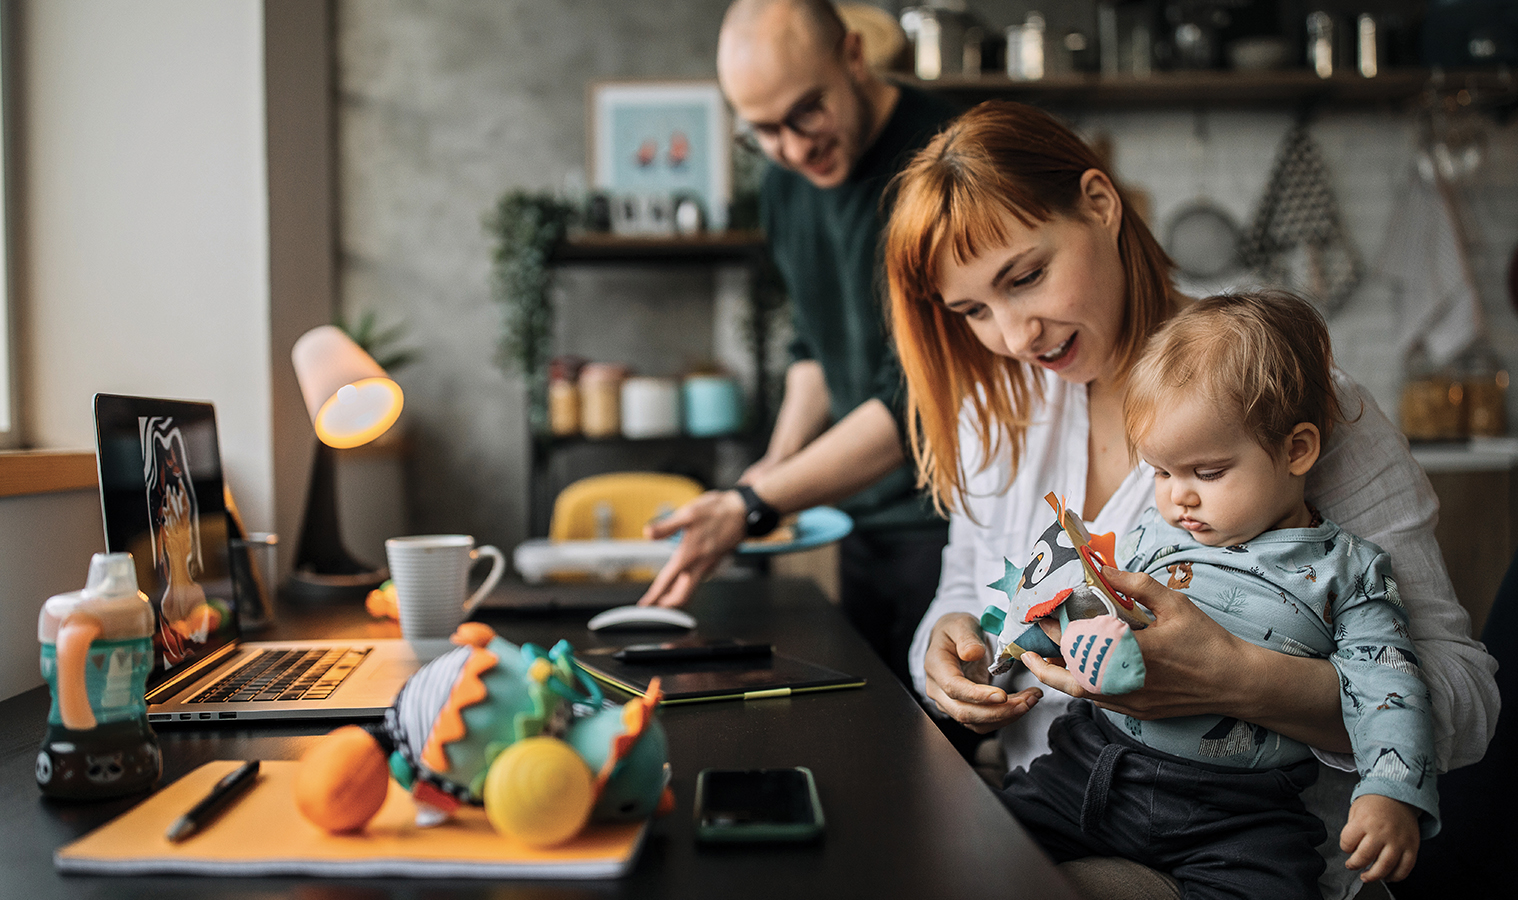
<point x="906" y="817"/>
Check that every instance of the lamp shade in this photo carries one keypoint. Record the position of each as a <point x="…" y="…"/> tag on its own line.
<point x="350" y="398"/>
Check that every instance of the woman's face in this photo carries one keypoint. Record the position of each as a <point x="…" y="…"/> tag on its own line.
<point x="1053" y="295"/>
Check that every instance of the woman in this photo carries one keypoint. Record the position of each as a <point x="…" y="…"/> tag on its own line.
<point x="1021" y="293"/>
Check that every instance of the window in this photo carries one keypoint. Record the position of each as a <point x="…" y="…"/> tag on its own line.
<point x="8" y="429"/>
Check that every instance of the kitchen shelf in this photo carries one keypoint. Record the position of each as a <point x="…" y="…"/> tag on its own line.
<point x="1223" y="88"/>
<point x="706" y="248"/>
<point x="617" y="440"/>
<point x="676" y="452"/>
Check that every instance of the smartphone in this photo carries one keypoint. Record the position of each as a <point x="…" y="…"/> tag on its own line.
<point x="741" y="805"/>
<point x="693" y="651"/>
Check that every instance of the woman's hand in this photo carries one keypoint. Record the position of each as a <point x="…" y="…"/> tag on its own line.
<point x="713" y="524"/>
<point x="1187" y="657"/>
<point x="1193" y="666"/>
<point x="958" y="678"/>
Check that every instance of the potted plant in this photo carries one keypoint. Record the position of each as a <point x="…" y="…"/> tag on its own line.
<point x="526" y="228"/>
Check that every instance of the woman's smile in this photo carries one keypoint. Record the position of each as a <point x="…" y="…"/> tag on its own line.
<point x="1060" y="356"/>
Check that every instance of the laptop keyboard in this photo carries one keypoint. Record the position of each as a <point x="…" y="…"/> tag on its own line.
<point x="286" y="675"/>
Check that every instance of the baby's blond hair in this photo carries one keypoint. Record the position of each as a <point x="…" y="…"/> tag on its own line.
<point x="1265" y="354"/>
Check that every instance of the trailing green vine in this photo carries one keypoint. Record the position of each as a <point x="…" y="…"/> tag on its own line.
<point x="526" y="228"/>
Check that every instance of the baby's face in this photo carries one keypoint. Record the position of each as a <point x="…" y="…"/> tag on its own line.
<point x="1212" y="479"/>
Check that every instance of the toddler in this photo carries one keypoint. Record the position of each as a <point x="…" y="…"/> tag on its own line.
<point x="1231" y="404"/>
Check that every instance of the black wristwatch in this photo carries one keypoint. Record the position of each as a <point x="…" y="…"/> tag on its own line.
<point x="760" y="518"/>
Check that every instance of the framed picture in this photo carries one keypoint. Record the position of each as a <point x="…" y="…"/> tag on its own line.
<point x="656" y="143"/>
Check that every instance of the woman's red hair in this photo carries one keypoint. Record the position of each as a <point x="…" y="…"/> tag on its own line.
<point x="999" y="158"/>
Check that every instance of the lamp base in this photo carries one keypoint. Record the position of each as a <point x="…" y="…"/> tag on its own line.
<point x="309" y="588"/>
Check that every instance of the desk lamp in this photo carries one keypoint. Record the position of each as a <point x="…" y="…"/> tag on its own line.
<point x="351" y="401"/>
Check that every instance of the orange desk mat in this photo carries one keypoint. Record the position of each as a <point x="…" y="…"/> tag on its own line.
<point x="263" y="834"/>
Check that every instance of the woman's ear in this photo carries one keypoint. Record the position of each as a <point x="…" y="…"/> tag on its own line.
<point x="1101" y="201"/>
<point x="1302" y="448"/>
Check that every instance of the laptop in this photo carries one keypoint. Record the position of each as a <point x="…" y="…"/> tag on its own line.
<point x="164" y="501"/>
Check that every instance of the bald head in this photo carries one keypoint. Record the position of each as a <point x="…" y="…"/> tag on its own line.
<point x="815" y="22"/>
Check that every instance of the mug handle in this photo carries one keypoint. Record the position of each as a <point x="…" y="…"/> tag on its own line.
<point x="497" y="569"/>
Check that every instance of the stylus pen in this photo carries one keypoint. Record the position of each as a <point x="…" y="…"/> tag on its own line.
<point x="220" y="797"/>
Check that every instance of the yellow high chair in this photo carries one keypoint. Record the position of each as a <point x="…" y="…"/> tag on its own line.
<point x="616" y="506"/>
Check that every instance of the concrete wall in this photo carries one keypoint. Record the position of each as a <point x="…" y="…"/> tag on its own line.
<point x="443" y="107"/>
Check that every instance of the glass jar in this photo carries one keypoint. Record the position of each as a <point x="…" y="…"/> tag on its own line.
<point x="564" y="395"/>
<point x="601" y="399"/>
<point x="1484" y="382"/>
<point x="1433" y="402"/>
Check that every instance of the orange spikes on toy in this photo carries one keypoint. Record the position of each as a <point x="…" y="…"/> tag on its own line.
<point x="449" y="725"/>
<point x="666" y="803"/>
<point x="636" y="714"/>
<point x="1105" y="547"/>
<point x="473" y="634"/>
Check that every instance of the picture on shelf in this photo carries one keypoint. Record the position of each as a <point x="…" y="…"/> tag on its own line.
<point x="655" y="143"/>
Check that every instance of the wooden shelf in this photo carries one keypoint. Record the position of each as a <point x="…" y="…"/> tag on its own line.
<point x="1223" y="88"/>
<point x="718" y="246"/>
<point x="617" y="440"/>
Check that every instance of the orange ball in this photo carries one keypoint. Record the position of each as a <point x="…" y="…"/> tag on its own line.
<point x="342" y="781"/>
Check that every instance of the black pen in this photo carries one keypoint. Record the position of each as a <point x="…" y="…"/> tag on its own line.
<point x="221" y="796"/>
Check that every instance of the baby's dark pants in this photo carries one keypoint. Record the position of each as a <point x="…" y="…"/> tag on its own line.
<point x="1219" y="831"/>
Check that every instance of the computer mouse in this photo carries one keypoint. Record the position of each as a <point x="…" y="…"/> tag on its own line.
<point x="641" y="618"/>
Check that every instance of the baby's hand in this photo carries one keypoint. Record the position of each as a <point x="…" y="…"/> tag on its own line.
<point x="1382" y="833"/>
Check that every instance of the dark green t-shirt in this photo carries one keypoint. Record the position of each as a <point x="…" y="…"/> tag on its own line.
<point x="826" y="245"/>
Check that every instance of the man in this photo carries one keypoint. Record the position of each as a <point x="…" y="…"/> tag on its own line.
<point x="835" y="134"/>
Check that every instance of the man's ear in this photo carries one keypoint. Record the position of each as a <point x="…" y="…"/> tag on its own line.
<point x="1100" y="199"/>
<point x="1302" y="448"/>
<point x="853" y="55"/>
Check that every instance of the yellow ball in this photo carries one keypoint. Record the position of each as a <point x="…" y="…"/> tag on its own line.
<point x="539" y="791"/>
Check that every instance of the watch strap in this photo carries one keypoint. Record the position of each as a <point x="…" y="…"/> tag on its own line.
<point x="759" y="517"/>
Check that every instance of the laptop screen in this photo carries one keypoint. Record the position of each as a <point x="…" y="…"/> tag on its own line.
<point x="161" y="495"/>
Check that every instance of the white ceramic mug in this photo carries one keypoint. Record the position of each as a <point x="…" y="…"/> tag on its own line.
<point x="431" y="574"/>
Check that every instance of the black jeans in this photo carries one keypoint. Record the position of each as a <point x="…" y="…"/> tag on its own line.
<point x="886" y="581"/>
<point x="1219" y="831"/>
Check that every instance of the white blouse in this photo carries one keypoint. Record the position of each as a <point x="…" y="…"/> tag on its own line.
<point x="1365" y="480"/>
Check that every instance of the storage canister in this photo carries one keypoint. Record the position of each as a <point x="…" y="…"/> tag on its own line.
<point x="601" y="399"/>
<point x="650" y="407"/>
<point x="713" y="405"/>
<point x="564" y="395"/>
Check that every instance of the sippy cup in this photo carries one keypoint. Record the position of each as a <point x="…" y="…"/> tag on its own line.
<point x="97" y="650"/>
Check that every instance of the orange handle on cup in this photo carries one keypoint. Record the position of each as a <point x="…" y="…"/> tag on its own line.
<point x="75" y="635"/>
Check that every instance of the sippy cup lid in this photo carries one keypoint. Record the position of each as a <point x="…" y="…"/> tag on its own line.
<point x="110" y="595"/>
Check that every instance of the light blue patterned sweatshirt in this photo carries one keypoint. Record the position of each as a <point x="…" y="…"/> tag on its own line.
<point x="1317" y="592"/>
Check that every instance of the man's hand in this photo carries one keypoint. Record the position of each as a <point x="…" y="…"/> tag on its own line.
<point x="713" y="524"/>
<point x="957" y="678"/>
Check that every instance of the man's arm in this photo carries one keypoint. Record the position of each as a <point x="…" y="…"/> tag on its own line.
<point x="805" y="412"/>
<point x="855" y="453"/>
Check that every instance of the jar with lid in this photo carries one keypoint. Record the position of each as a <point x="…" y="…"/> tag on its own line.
<point x="1484" y="382"/>
<point x="564" y="395"/>
<point x="601" y="399"/>
<point x="1433" y="401"/>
